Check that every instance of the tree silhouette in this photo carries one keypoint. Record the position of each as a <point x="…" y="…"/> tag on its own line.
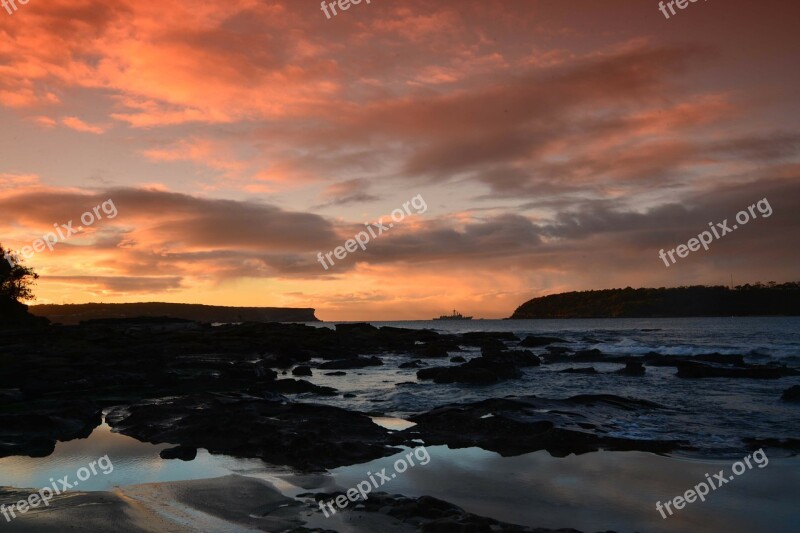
<point x="16" y="281"/>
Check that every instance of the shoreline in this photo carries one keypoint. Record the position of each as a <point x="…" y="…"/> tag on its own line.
<point x="597" y="491"/>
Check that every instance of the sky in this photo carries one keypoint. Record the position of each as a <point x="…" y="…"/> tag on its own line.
<point x="549" y="146"/>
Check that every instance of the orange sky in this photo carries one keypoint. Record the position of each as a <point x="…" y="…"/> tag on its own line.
<point x="558" y="145"/>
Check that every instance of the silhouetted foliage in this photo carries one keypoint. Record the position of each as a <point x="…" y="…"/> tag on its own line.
<point x="744" y="300"/>
<point x="15" y="286"/>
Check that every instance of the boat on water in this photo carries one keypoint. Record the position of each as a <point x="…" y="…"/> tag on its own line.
<point x="455" y="316"/>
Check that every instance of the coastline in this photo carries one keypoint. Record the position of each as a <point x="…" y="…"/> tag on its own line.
<point x="602" y="490"/>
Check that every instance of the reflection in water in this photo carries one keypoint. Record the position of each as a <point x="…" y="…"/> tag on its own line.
<point x="134" y="463"/>
<point x="393" y="424"/>
<point x="595" y="491"/>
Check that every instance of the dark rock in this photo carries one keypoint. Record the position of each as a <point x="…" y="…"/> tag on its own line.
<point x="32" y="428"/>
<point x="655" y="359"/>
<point x="513" y="426"/>
<point x="585" y="356"/>
<point x="727" y="359"/>
<point x="594" y="355"/>
<point x="302" y="435"/>
<point x="790" y="444"/>
<point x="519" y="358"/>
<point x="792" y="394"/>
<point x="457" y="375"/>
<point x="583" y="370"/>
<point x="436" y="349"/>
<point x="184" y="453"/>
<point x="632" y="368"/>
<point x="482" y="335"/>
<point x="487" y="340"/>
<point x="299" y="386"/>
<point x="361" y="328"/>
<point x="535" y="341"/>
<point x="558" y="350"/>
<point x="691" y="369"/>
<point x="476" y="371"/>
<point x="349" y="364"/>
<point x="457" y="359"/>
<point x="412" y="364"/>
<point x="348" y="395"/>
<point x="338" y="373"/>
<point x="302" y="370"/>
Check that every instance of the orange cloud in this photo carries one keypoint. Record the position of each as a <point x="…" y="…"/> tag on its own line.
<point x="78" y="125"/>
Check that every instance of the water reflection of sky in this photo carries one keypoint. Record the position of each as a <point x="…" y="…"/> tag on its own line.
<point x="134" y="463"/>
<point x="597" y="491"/>
<point x="591" y="492"/>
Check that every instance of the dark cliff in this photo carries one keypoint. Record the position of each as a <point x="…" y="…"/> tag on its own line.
<point x="74" y="313"/>
<point x="746" y="300"/>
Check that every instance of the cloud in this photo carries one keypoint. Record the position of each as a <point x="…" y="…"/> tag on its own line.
<point x="78" y="125"/>
<point x="115" y="285"/>
<point x="562" y="145"/>
<point x="18" y="181"/>
<point x="347" y="192"/>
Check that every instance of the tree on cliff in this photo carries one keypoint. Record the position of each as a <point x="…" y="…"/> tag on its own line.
<point x="15" y="286"/>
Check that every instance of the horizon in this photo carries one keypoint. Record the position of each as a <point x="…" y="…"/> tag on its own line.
<point x="755" y="285"/>
<point x="476" y="155"/>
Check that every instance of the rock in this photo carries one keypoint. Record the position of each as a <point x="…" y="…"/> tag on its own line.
<point x="558" y="349"/>
<point x="534" y="341"/>
<point x="487" y="340"/>
<point x="299" y="386"/>
<point x="349" y="364"/>
<point x="302" y="370"/>
<point x="431" y="350"/>
<point x="513" y="426"/>
<point x="589" y="356"/>
<point x="339" y="373"/>
<point x="361" y="328"/>
<point x="691" y="369"/>
<point x="655" y="359"/>
<point x="412" y="364"/>
<point x="480" y="370"/>
<point x="457" y="375"/>
<point x="519" y="358"/>
<point x="32" y="428"/>
<point x="632" y="368"/>
<point x="479" y="336"/>
<point x="583" y="370"/>
<point x="301" y="435"/>
<point x="457" y="359"/>
<point x="184" y="453"/>
<point x="792" y="394"/>
<point x="438" y="348"/>
<point x="791" y="444"/>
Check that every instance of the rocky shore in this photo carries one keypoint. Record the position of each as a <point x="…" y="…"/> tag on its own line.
<point x="238" y="390"/>
<point x="221" y="388"/>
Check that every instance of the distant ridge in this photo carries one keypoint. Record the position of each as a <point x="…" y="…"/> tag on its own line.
<point x="74" y="313"/>
<point x="744" y="300"/>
